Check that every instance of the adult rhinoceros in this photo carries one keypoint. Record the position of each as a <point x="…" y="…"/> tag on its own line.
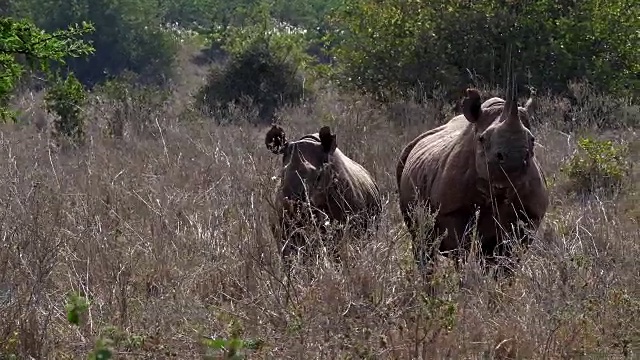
<point x="480" y="160"/>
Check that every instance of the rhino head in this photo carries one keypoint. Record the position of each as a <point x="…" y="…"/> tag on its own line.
<point x="503" y="139"/>
<point x="306" y="171"/>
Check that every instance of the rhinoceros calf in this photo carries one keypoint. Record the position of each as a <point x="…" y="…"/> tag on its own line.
<point x="480" y="160"/>
<point x="318" y="183"/>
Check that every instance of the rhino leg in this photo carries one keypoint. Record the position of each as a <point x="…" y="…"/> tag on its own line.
<point x="454" y="228"/>
<point x="293" y="237"/>
<point x="351" y="227"/>
<point x="520" y="233"/>
<point x="286" y="246"/>
<point x="419" y="239"/>
<point x="491" y="225"/>
<point x="499" y="241"/>
<point x="303" y="234"/>
<point x="331" y="238"/>
<point x="498" y="253"/>
<point x="447" y="230"/>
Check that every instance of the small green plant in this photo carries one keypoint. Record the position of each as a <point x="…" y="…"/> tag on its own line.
<point x="76" y="306"/>
<point x="102" y="350"/>
<point x="119" y="337"/>
<point x="440" y="311"/>
<point x="598" y="164"/>
<point x="65" y="100"/>
<point x="233" y="347"/>
<point x="9" y="346"/>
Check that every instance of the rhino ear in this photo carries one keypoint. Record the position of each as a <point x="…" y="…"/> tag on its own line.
<point x="327" y="139"/>
<point x="275" y="140"/>
<point x="471" y="105"/>
<point x="531" y="105"/>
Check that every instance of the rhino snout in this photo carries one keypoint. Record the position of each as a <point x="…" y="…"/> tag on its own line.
<point x="514" y="162"/>
<point x="502" y="157"/>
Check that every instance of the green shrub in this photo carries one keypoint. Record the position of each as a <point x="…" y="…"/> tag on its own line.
<point x="598" y="165"/>
<point x="265" y="67"/>
<point x="65" y="100"/>
<point x="76" y="308"/>
<point x="256" y="77"/>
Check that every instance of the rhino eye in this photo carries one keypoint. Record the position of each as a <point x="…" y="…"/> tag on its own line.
<point x="481" y="139"/>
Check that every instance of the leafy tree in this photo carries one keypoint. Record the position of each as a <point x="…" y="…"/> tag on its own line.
<point x="24" y="46"/>
<point x="207" y="13"/>
<point x="376" y="43"/>
<point x="611" y="46"/>
<point x="129" y="36"/>
<point x="389" y="48"/>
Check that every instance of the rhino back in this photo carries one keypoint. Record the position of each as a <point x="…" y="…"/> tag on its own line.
<point x="440" y="167"/>
<point x="356" y="189"/>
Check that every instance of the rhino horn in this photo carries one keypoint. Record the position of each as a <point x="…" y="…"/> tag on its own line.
<point x="510" y="111"/>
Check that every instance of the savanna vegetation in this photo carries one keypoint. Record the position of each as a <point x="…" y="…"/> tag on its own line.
<point x="136" y="190"/>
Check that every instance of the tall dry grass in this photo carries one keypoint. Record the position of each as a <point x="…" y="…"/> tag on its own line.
<point x="165" y="231"/>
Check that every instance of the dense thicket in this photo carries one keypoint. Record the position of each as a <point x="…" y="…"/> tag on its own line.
<point x="381" y="47"/>
<point x="388" y="47"/>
